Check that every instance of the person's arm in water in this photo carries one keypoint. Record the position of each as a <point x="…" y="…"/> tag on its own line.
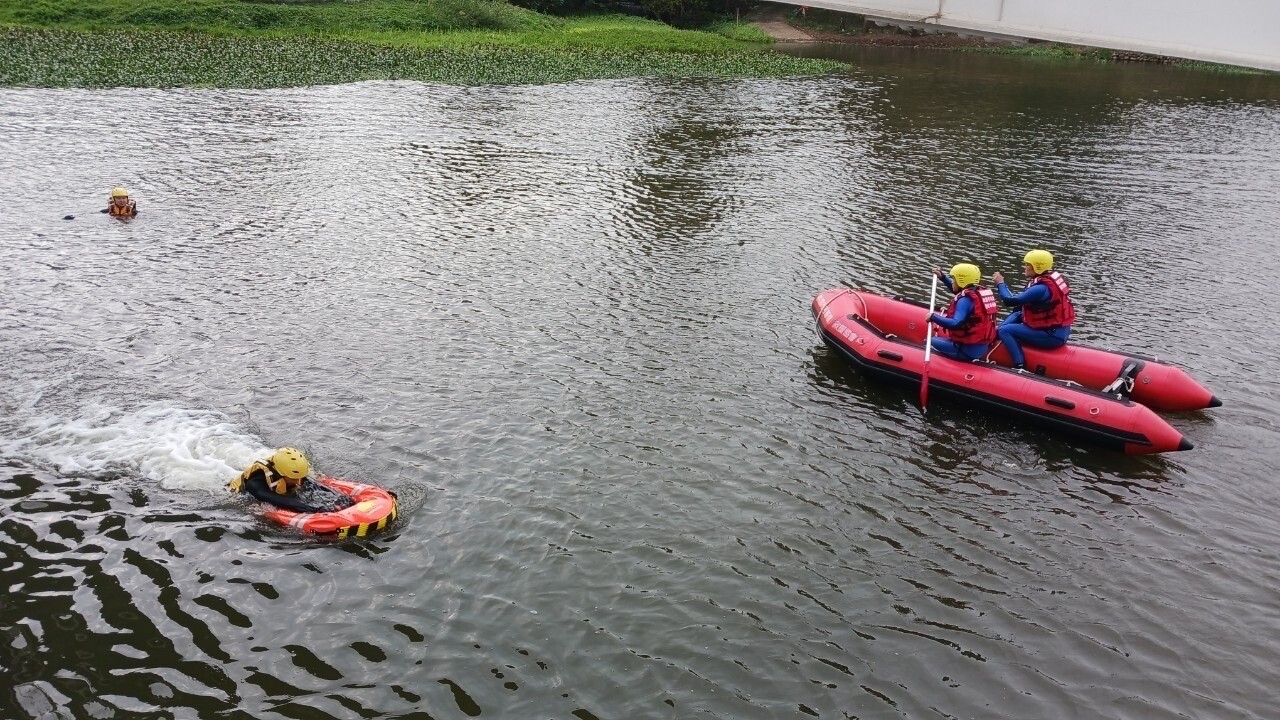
<point x="324" y="497"/>
<point x="964" y="308"/>
<point x="1038" y="293"/>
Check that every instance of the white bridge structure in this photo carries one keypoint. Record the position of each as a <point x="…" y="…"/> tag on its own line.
<point x="1232" y="32"/>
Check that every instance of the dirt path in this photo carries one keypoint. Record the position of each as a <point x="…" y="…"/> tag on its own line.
<point x="772" y="20"/>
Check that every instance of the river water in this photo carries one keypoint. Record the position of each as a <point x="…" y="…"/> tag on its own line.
<point x="569" y="326"/>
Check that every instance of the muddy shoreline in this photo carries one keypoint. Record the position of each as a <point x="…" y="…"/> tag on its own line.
<point x="784" y="23"/>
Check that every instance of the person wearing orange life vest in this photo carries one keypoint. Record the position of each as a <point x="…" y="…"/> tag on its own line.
<point x="970" y="320"/>
<point x="281" y="480"/>
<point x="120" y="204"/>
<point x="1045" y="310"/>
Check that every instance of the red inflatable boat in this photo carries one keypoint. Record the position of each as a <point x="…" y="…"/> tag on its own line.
<point x="1147" y="380"/>
<point x="374" y="509"/>
<point x="885" y="338"/>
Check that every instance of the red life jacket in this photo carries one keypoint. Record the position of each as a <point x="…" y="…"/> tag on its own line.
<point x="1058" y="311"/>
<point x="129" y="210"/>
<point x="980" y="326"/>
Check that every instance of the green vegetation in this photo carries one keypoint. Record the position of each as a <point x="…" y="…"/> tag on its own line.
<point x="1220" y="68"/>
<point x="240" y="43"/>
<point x="59" y="58"/>
<point x="334" y="18"/>
<point x="744" y="32"/>
<point x="1047" y="50"/>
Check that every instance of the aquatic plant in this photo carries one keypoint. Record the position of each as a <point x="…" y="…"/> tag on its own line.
<point x="60" y="58"/>
<point x="230" y="43"/>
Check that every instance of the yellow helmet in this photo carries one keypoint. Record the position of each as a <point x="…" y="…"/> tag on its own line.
<point x="1039" y="260"/>
<point x="966" y="274"/>
<point x="291" y="463"/>
<point x="119" y="192"/>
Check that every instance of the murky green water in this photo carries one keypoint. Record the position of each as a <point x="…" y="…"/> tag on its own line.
<point x="569" y="325"/>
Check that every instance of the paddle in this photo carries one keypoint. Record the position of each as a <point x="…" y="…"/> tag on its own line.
<point x="928" y="347"/>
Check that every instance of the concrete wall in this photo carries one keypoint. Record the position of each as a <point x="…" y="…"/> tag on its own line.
<point x="1236" y="32"/>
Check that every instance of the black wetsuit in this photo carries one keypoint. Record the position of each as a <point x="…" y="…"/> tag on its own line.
<point x="310" y="496"/>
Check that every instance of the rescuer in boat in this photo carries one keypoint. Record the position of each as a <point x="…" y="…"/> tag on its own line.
<point x="120" y="204"/>
<point x="1045" y="311"/>
<point x="281" y="480"/>
<point x="970" y="319"/>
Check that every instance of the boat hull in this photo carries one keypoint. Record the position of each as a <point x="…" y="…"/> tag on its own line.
<point x="1147" y="380"/>
<point x="1101" y="418"/>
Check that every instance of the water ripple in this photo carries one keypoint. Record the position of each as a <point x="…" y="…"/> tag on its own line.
<point x="569" y="326"/>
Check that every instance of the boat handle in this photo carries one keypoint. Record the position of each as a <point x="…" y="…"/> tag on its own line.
<point x="891" y="355"/>
<point x="1059" y="402"/>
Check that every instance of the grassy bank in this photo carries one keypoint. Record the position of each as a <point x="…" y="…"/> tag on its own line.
<point x="230" y="43"/>
<point x="315" y="17"/>
<point x="59" y="58"/>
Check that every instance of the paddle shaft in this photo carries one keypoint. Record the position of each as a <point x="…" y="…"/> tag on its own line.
<point x="928" y="344"/>
<point x="928" y="335"/>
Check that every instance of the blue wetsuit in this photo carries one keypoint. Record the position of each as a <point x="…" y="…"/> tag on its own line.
<point x="1013" y="333"/>
<point x="946" y="346"/>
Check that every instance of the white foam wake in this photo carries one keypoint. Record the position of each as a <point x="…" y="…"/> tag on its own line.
<point x="179" y="448"/>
